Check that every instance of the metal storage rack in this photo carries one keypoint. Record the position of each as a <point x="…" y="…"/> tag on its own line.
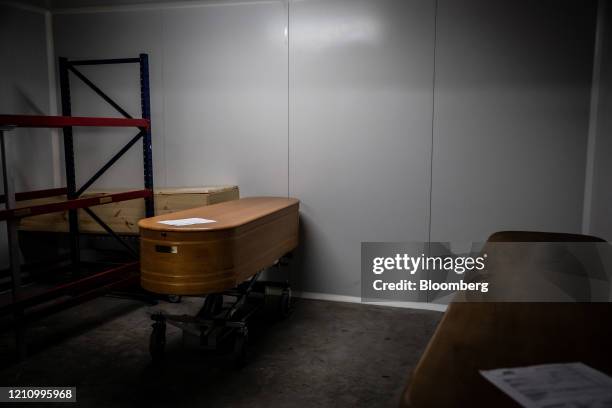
<point x="28" y="306"/>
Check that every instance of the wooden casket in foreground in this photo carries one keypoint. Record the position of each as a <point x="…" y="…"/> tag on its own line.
<point x="214" y="248"/>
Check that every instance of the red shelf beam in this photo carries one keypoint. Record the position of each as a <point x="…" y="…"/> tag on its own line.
<point x="73" y="204"/>
<point x="34" y="121"/>
<point x="132" y="279"/>
<point x="66" y="289"/>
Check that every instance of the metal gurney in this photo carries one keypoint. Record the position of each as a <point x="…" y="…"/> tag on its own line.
<point x="216" y="251"/>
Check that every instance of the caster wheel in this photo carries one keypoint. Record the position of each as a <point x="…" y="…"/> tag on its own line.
<point x="174" y="298"/>
<point x="240" y="348"/>
<point x="277" y="302"/>
<point x="212" y="305"/>
<point x="157" y="342"/>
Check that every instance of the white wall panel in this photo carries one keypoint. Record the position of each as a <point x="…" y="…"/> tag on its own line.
<point x="225" y="84"/>
<point x="361" y="105"/>
<point x="601" y="213"/>
<point x="24" y="89"/>
<point x="511" y="116"/>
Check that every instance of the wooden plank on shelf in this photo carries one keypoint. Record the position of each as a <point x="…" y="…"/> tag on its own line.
<point x="34" y="208"/>
<point x="123" y="217"/>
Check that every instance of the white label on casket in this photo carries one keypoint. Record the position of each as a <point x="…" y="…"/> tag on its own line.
<point x="187" y="221"/>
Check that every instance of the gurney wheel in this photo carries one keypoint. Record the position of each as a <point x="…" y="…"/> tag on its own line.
<point x="240" y="348"/>
<point x="277" y="301"/>
<point x="157" y="342"/>
<point x="174" y="298"/>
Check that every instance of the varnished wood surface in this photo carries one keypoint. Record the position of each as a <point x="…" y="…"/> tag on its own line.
<point x="232" y="214"/>
<point x="123" y="216"/>
<point x="483" y="336"/>
<point x="247" y="236"/>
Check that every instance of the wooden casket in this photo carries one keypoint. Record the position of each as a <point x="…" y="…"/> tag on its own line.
<point x="214" y="248"/>
<point x="490" y="334"/>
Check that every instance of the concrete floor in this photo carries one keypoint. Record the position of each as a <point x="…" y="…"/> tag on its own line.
<point x="325" y="354"/>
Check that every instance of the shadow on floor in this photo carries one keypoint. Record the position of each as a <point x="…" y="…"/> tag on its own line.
<point x="324" y="354"/>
